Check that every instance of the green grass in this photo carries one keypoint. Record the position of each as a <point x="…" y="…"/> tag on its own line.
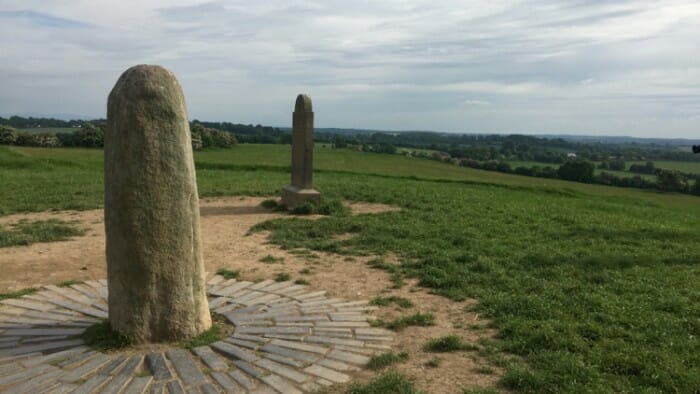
<point x="270" y="259"/>
<point x="211" y="335"/>
<point x="18" y="293"/>
<point x="228" y="274"/>
<point x="691" y="167"/>
<point x="101" y="336"/>
<point x="384" y="301"/>
<point x="283" y="277"/>
<point x="388" y="383"/>
<point x="383" y="360"/>
<point x="415" y="320"/>
<point x="592" y="288"/>
<point x="26" y="233"/>
<point x="301" y="282"/>
<point x="69" y="282"/>
<point x="448" y="343"/>
<point x="433" y="362"/>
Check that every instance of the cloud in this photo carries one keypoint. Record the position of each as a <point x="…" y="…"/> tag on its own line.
<point x="625" y="67"/>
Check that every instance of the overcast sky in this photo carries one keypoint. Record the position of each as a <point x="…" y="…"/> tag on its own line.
<point x="572" y="67"/>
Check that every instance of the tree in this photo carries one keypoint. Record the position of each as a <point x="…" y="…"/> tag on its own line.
<point x="90" y="136"/>
<point x="8" y="135"/>
<point x="670" y="180"/>
<point x="578" y="171"/>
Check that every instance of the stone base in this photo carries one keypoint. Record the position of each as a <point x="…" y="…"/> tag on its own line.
<point x="292" y="196"/>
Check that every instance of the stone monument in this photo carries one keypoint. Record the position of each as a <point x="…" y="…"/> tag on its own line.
<point x="301" y="189"/>
<point x="155" y="271"/>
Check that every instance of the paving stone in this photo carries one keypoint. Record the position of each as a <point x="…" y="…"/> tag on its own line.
<point x="348" y="317"/>
<point x="348" y="324"/>
<point x="374" y="331"/>
<point x="115" y="385"/>
<point x="241" y="379"/>
<point x="233" y="351"/>
<point x="225" y="382"/>
<point x="58" y="388"/>
<point x="335" y="341"/>
<point x="186" y="368"/>
<point x="157" y="388"/>
<point x="24" y="375"/>
<point x="138" y="385"/>
<point x="10" y="368"/>
<point x="377" y="346"/>
<point x="301" y="318"/>
<point x="210" y="359"/>
<point x="87" y="310"/>
<point x="282" y="370"/>
<point x="46" y="378"/>
<point x="53" y="357"/>
<point x="174" y="387"/>
<point x="300" y="346"/>
<point x="26" y="304"/>
<point x="249" y="368"/>
<point x="348" y="357"/>
<point x="295" y="354"/>
<point x="293" y="338"/>
<point x="277" y="286"/>
<point x="328" y="374"/>
<point x="310" y="387"/>
<point x="29" y="340"/>
<point x="159" y="369"/>
<point x="208" y="389"/>
<point x="58" y="345"/>
<point x="280" y="384"/>
<point x="217" y="302"/>
<point x="245" y="337"/>
<point x="246" y="311"/>
<point x="294" y="324"/>
<point x="262" y="284"/>
<point x="92" y="384"/>
<point x="375" y="339"/>
<point x="9" y="345"/>
<point x="85" y="370"/>
<point x="285" y="360"/>
<point x="131" y="365"/>
<point x="77" y="359"/>
<point x="242" y="343"/>
<point x="337" y="365"/>
<point x="234" y="288"/>
<point x="308" y="296"/>
<point x="357" y="350"/>
<point x="273" y="330"/>
<point x="215" y="280"/>
<point x="112" y="366"/>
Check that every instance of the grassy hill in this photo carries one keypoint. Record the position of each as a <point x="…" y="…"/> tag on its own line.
<point x="592" y="288"/>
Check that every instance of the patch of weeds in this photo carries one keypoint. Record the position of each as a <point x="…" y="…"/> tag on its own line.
<point x="69" y="282"/>
<point x="101" y="336"/>
<point x="283" y="277"/>
<point x="397" y="280"/>
<point x="448" y="343"/>
<point x="228" y="274"/>
<point x="270" y="259"/>
<point x="305" y="271"/>
<point x="349" y="258"/>
<point x="269" y="204"/>
<point x="480" y="390"/>
<point x="383" y="360"/>
<point x="301" y="282"/>
<point x="18" y="293"/>
<point x="417" y="319"/>
<point x="484" y="370"/>
<point x="211" y="335"/>
<point x="26" y="233"/>
<point x="384" y="301"/>
<point x="377" y="323"/>
<point x="327" y="207"/>
<point x="390" y="382"/>
<point x="433" y="362"/>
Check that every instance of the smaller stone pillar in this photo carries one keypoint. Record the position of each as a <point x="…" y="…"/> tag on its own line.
<point x="301" y="188"/>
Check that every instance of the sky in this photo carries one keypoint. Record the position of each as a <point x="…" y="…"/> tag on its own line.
<point x="529" y="67"/>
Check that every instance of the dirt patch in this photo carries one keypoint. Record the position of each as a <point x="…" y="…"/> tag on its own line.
<point x="225" y="222"/>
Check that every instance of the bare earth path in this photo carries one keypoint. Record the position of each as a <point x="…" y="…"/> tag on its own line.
<point x="225" y="222"/>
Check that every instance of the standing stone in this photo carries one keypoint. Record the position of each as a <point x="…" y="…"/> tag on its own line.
<point x="155" y="271"/>
<point x="301" y="188"/>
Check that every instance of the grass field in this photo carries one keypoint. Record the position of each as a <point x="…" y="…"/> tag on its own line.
<point x="37" y="130"/>
<point x="621" y="174"/>
<point x="691" y="167"/>
<point x="592" y="288"/>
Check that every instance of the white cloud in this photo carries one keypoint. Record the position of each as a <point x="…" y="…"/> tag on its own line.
<point x="626" y="67"/>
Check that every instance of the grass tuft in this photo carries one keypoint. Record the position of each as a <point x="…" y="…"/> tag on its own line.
<point x="301" y="281"/>
<point x="270" y="259"/>
<point x="228" y="274"/>
<point x="388" y="383"/>
<point x="448" y="343"/>
<point x="69" y="282"/>
<point x="269" y="204"/>
<point x="433" y="362"/>
<point x="384" y="301"/>
<point x="211" y="335"/>
<point x="18" y="293"/>
<point x="383" y="360"/>
<point x="101" y="336"/>
<point x="26" y="233"/>
<point x="417" y="319"/>
<point x="283" y="277"/>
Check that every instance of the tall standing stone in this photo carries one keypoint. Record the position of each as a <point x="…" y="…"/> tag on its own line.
<point x="154" y="263"/>
<point x="301" y="188"/>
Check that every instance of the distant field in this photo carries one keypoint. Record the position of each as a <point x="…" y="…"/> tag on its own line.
<point x="591" y="288"/>
<point x="38" y="130"/>
<point x="692" y="167"/>
<point x="621" y="174"/>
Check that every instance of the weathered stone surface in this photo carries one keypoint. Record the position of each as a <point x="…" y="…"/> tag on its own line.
<point x="155" y="270"/>
<point x="233" y="351"/>
<point x="326" y="373"/>
<point x="159" y="369"/>
<point x="301" y="189"/>
<point x="210" y="359"/>
<point x="138" y="385"/>
<point x="186" y="368"/>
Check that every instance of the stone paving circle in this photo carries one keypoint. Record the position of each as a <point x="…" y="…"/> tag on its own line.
<point x="286" y="339"/>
